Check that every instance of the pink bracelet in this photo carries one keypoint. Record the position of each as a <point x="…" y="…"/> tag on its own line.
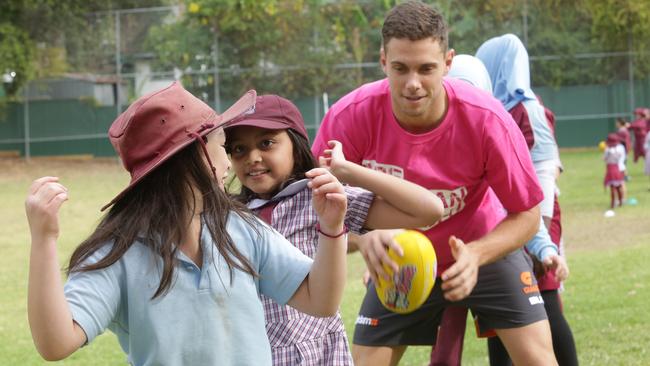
<point x="345" y="231"/>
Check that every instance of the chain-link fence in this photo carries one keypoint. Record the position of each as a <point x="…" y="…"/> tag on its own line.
<point x="313" y="55"/>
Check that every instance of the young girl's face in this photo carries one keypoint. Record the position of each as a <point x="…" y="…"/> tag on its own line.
<point x="261" y="158"/>
<point x="216" y="148"/>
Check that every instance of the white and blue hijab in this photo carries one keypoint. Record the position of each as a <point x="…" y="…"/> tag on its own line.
<point x="506" y="60"/>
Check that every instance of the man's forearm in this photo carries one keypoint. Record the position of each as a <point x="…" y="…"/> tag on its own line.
<point x="510" y="234"/>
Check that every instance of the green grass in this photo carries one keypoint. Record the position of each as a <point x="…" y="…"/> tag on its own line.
<point x="605" y="299"/>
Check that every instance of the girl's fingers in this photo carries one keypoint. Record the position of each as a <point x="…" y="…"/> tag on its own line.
<point x="320" y="180"/>
<point x="316" y="172"/>
<point x="338" y="197"/>
<point x="42" y="195"/>
<point x="58" y="200"/>
<point x="329" y="188"/>
<point x="38" y="183"/>
<point x="334" y="144"/>
<point x="322" y="161"/>
<point x="48" y="191"/>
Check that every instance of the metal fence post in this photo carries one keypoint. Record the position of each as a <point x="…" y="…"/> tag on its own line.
<point x="525" y="22"/>
<point x="118" y="64"/>
<point x="215" y="57"/>
<point x="26" y="125"/>
<point x="630" y="68"/>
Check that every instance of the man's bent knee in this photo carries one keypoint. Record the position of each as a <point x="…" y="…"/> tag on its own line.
<point x="530" y="344"/>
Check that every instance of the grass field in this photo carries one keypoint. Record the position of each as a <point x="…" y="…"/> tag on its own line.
<point x="605" y="299"/>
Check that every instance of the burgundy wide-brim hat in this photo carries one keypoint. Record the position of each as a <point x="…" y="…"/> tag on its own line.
<point x="158" y="125"/>
<point x="274" y="113"/>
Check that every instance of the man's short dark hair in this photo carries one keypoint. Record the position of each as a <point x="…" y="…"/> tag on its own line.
<point x="416" y="21"/>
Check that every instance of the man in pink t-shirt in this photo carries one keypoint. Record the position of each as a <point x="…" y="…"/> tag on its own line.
<point x="461" y="143"/>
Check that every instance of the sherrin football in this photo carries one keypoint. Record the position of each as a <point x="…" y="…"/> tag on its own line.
<point x="411" y="285"/>
<point x="602" y="146"/>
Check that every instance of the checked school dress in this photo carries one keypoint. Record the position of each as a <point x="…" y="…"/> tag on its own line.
<point x="297" y="338"/>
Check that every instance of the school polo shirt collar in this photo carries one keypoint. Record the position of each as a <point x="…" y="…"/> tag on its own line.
<point x="288" y="191"/>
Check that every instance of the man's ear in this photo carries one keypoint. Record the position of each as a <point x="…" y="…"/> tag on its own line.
<point x="382" y="59"/>
<point x="449" y="57"/>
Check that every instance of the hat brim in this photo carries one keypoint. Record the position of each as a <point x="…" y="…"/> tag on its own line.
<point x="241" y="106"/>
<point x="257" y="122"/>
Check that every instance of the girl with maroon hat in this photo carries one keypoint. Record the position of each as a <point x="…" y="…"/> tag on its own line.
<point x="175" y="267"/>
<point x="270" y="154"/>
<point x="614" y="179"/>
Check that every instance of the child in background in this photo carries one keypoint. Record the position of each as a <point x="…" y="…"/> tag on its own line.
<point x="270" y="154"/>
<point x="639" y="128"/>
<point x="647" y="155"/>
<point x="614" y="154"/>
<point x="175" y="267"/>
<point x="624" y="135"/>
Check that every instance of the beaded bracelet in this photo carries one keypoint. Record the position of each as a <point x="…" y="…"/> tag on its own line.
<point x="345" y="231"/>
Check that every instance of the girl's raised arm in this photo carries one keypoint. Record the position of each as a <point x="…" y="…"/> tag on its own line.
<point x="321" y="292"/>
<point x="55" y="334"/>
<point x="399" y="203"/>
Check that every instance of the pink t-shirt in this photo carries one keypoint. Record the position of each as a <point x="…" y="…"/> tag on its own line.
<point x="475" y="158"/>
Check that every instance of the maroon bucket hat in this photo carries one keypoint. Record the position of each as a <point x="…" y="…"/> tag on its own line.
<point x="158" y="125"/>
<point x="274" y="113"/>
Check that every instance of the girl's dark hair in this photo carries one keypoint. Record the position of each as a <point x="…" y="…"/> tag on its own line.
<point x="158" y="212"/>
<point x="303" y="161"/>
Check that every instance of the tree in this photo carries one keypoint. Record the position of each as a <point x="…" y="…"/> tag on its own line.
<point x="37" y="37"/>
<point x="16" y="52"/>
<point x="620" y="25"/>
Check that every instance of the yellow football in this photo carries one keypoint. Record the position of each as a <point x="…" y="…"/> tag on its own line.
<point x="602" y="145"/>
<point x="409" y="288"/>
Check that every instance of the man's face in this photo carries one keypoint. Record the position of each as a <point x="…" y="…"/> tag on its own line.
<point x="415" y="70"/>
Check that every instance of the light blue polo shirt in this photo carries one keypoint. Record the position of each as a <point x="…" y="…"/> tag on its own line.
<point x="202" y="320"/>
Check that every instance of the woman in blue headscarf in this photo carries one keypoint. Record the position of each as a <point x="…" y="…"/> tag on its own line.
<point x="507" y="63"/>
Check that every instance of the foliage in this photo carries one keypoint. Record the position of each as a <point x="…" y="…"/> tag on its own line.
<point x="306" y="47"/>
<point x="622" y="24"/>
<point x="40" y="38"/>
<point x="274" y="46"/>
<point x="17" y="52"/>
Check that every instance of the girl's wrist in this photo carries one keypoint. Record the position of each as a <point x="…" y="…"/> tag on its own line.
<point x="343" y="171"/>
<point x="332" y="232"/>
<point x="44" y="240"/>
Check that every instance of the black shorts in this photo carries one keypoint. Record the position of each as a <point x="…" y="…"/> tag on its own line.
<point x="505" y="296"/>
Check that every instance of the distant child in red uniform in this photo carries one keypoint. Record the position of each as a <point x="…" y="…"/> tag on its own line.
<point x="614" y="179"/>
<point x="624" y="134"/>
<point x="639" y="128"/>
<point x="647" y="155"/>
